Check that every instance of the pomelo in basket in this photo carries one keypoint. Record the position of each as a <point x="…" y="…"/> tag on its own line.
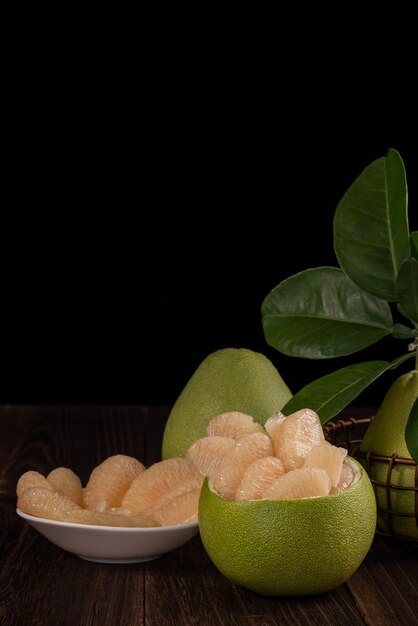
<point x="385" y="436"/>
<point x="290" y="547"/>
<point x="229" y="379"/>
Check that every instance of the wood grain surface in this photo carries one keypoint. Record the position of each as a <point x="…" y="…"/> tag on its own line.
<point x="43" y="585"/>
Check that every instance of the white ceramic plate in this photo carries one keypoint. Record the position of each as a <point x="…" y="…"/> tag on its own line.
<point x="110" y="544"/>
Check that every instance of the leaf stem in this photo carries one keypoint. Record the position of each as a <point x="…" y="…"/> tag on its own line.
<point x="413" y="347"/>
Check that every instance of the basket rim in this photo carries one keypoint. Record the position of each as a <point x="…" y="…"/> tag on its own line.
<point x="341" y="424"/>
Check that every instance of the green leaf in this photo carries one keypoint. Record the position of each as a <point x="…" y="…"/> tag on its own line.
<point x="371" y="237"/>
<point x="407" y="289"/>
<point x="414" y="244"/>
<point x="320" y="313"/>
<point x="330" y="394"/>
<point x="411" y="432"/>
<point x="400" y="331"/>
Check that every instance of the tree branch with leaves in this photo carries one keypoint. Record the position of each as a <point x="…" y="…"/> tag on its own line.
<point x="329" y="312"/>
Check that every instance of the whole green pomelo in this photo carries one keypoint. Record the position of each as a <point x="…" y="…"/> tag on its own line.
<point x="290" y="547"/>
<point x="385" y="436"/>
<point x="229" y="379"/>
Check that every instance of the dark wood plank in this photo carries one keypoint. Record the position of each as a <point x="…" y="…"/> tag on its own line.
<point x="16" y="426"/>
<point x="184" y="587"/>
<point x="13" y="420"/>
<point x="385" y="587"/>
<point x="41" y="584"/>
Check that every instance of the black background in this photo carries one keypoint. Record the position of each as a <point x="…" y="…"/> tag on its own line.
<point x="152" y="202"/>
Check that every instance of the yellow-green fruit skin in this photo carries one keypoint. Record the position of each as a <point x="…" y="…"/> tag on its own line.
<point x="386" y="436"/>
<point x="289" y="547"/>
<point x="229" y="379"/>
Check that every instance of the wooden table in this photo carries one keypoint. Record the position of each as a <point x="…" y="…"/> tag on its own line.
<point x="44" y="585"/>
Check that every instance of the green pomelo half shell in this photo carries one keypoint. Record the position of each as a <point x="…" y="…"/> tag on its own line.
<point x="290" y="547"/>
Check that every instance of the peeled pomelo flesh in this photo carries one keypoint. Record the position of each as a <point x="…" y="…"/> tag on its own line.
<point x="147" y="489"/>
<point x="273" y="423"/>
<point x="172" y="486"/>
<point x="31" y="479"/>
<point x="241" y="471"/>
<point x="88" y="516"/>
<point x="45" y="503"/>
<point x="246" y="450"/>
<point x="67" y="483"/>
<point x="295" y="436"/>
<point x="304" y="482"/>
<point x="190" y="483"/>
<point x="233" y="424"/>
<point x="293" y="547"/>
<point x="328" y="457"/>
<point x="258" y="476"/>
<point x="227" y="380"/>
<point x="109" y="481"/>
<point x="181" y="509"/>
<point x="209" y="453"/>
<point x="346" y="478"/>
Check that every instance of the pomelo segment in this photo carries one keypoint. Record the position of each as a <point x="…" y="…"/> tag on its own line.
<point x="190" y="483"/>
<point x="295" y="436"/>
<point x="120" y="492"/>
<point x="45" y="503"/>
<point x="305" y="482"/>
<point x="246" y="467"/>
<point x="258" y="476"/>
<point x="328" y="457"/>
<point x="87" y="516"/>
<point x="246" y="450"/>
<point x="233" y="424"/>
<point x="109" y="481"/>
<point x="67" y="483"/>
<point x="181" y="509"/>
<point x="273" y="423"/>
<point x="148" y="488"/>
<point x="346" y="478"/>
<point x="31" y="479"/>
<point x="209" y="453"/>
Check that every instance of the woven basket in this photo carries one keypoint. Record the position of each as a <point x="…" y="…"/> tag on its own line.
<point x="391" y="521"/>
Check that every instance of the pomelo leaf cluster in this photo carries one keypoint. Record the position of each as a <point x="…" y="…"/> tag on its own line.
<point x="328" y="312"/>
